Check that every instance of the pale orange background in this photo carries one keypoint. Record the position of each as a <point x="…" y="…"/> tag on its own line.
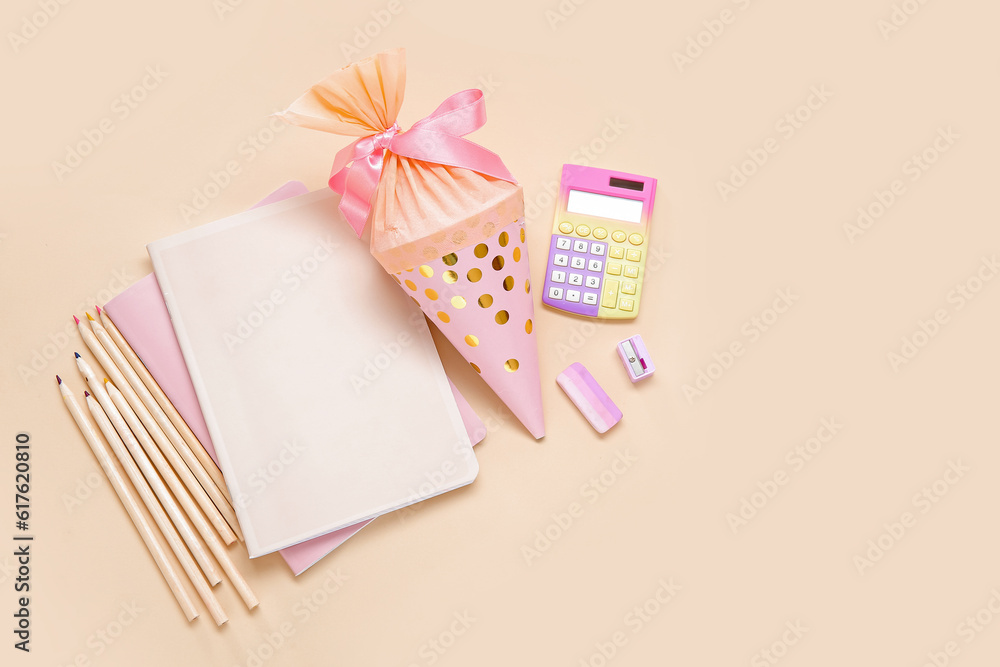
<point x="65" y="244"/>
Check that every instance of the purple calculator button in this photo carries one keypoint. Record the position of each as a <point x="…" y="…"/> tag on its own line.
<point x="573" y="275"/>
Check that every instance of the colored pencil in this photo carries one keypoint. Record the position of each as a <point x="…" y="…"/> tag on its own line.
<point x="131" y="431"/>
<point x="153" y="542"/>
<point x="113" y="426"/>
<point x="214" y="543"/>
<point x="164" y="401"/>
<point x="111" y="370"/>
<point x="220" y="500"/>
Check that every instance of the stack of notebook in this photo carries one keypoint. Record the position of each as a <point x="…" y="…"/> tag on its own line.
<point x="307" y="375"/>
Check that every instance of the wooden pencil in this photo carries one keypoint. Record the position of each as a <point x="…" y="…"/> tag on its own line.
<point x="164" y="401"/>
<point x="113" y="426"/>
<point x="211" y="539"/>
<point x="131" y="430"/>
<point x="153" y="542"/>
<point x="178" y="443"/>
<point x="200" y="496"/>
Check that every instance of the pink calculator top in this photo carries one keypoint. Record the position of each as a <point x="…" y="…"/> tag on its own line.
<point x="600" y="238"/>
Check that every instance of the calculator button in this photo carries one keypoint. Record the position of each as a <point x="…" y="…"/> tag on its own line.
<point x="633" y="255"/>
<point x="558" y="276"/>
<point x="597" y="249"/>
<point x="590" y="298"/>
<point x="576" y="279"/>
<point x="600" y="233"/>
<point x="618" y="236"/>
<point x="595" y="265"/>
<point x="555" y="292"/>
<point x="583" y="230"/>
<point x="635" y="239"/>
<point x="594" y="282"/>
<point x="626" y="304"/>
<point x="614" y="269"/>
<point x="563" y="243"/>
<point x="566" y="227"/>
<point x="628" y="288"/>
<point x="580" y="246"/>
<point x="578" y="262"/>
<point x="610" y="295"/>
<point x="560" y="260"/>
<point x="632" y="271"/>
<point x="616" y="252"/>
<point x="573" y="295"/>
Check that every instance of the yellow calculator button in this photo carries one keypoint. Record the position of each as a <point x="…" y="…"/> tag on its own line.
<point x="616" y="252"/>
<point x="635" y="239"/>
<point x="614" y="269"/>
<point x="627" y="304"/>
<point x="600" y="233"/>
<point x="618" y="236"/>
<point x="610" y="294"/>
<point x="633" y="255"/>
<point x="632" y="271"/>
<point x="566" y="227"/>
<point x="583" y="230"/>
<point x="628" y="288"/>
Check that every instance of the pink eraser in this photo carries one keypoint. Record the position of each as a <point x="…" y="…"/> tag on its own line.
<point x="587" y="395"/>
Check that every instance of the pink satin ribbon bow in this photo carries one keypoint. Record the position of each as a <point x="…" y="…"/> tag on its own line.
<point x="437" y="138"/>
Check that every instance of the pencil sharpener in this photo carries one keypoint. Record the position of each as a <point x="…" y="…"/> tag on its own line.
<point x="636" y="359"/>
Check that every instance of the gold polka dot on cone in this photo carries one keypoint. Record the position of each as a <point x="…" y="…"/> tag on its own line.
<point x="482" y="310"/>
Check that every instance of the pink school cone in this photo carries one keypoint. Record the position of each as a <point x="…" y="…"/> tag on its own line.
<point x="480" y="298"/>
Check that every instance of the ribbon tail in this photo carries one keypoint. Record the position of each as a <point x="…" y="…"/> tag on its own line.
<point x="355" y="175"/>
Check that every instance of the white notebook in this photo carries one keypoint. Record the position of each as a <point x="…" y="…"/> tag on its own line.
<point x="320" y="384"/>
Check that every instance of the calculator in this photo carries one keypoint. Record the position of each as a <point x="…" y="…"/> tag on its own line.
<point x="600" y="238"/>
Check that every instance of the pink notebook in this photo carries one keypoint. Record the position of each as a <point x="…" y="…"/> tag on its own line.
<point x="141" y="315"/>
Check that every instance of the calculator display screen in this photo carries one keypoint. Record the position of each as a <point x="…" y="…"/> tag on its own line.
<point x="604" y="206"/>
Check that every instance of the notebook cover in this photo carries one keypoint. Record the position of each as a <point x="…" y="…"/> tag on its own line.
<point x="141" y="315"/>
<point x="309" y="361"/>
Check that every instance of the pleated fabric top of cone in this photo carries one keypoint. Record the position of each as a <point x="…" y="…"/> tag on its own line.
<point x="448" y="219"/>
